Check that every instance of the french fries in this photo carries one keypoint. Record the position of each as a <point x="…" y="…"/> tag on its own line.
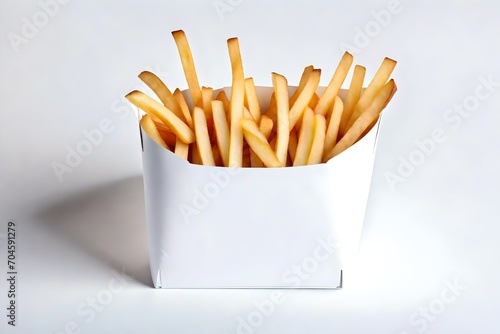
<point x="181" y="149"/>
<point x="232" y="129"/>
<point x="236" y="104"/>
<point x="306" y="137"/>
<point x="202" y="138"/>
<point x="184" y="107"/>
<point x="151" y="106"/>
<point x="188" y="67"/>
<point x="378" y="81"/>
<point x="333" y="124"/>
<point x="318" y="143"/>
<point x="282" y="117"/>
<point x="258" y="143"/>
<point x="161" y="90"/>
<point x="252" y="99"/>
<point x="152" y="131"/>
<point x="304" y="97"/>
<point x="352" y="97"/>
<point x="221" y="130"/>
<point x="166" y="134"/>
<point x="363" y="121"/>
<point x="335" y="83"/>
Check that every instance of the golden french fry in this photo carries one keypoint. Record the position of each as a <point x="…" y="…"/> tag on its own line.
<point x="167" y="134"/>
<point x="222" y="96"/>
<point x="148" y="125"/>
<point x="179" y="97"/>
<point x="364" y="120"/>
<point x="151" y="106"/>
<point x="372" y="124"/>
<point x="188" y="67"/>
<point x="221" y="130"/>
<point x="305" y="138"/>
<point x="247" y="114"/>
<point x="195" y="155"/>
<point x="202" y="138"/>
<point x="266" y="126"/>
<point x="283" y="122"/>
<point x="394" y="89"/>
<point x="181" y="149"/>
<point x="252" y="100"/>
<point x="262" y="151"/>
<point x="304" y="98"/>
<point x="316" y="154"/>
<point x="251" y="127"/>
<point x="292" y="144"/>
<point x="303" y="79"/>
<point x="255" y="161"/>
<point x="208" y="96"/>
<point x="272" y="143"/>
<point x="378" y="81"/>
<point x="161" y="90"/>
<point x="352" y="97"/>
<point x="333" y="124"/>
<point x="258" y="143"/>
<point x="271" y="110"/>
<point x="376" y="119"/>
<point x="217" y="156"/>
<point x="333" y="87"/>
<point x="236" y="104"/>
<point x="314" y="101"/>
<point x="157" y="120"/>
<point x="302" y="83"/>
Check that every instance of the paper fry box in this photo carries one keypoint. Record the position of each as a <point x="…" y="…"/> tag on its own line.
<point x="290" y="227"/>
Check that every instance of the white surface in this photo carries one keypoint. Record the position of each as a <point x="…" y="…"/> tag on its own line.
<point x="438" y="226"/>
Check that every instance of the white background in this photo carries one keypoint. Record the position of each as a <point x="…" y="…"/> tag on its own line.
<point x="437" y="227"/>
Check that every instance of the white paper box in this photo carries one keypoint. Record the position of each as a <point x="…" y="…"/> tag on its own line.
<point x="216" y="227"/>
